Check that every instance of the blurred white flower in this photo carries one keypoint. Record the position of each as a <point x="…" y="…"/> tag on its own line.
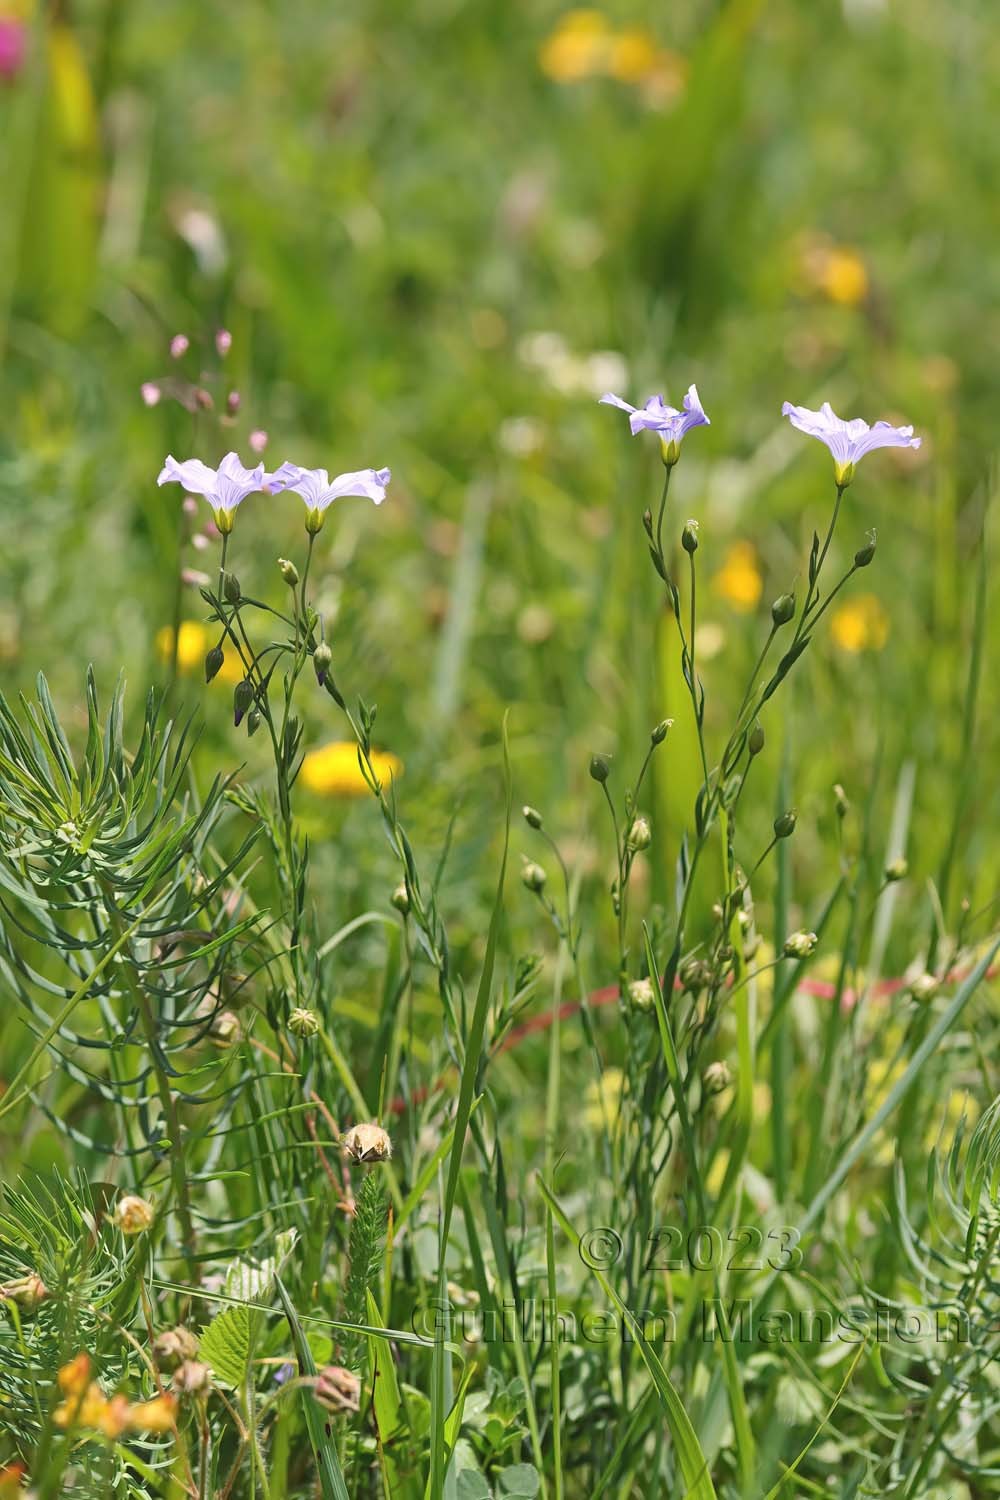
<point x="605" y="370"/>
<point x="521" y="436"/>
<point x="202" y="232"/>
<point x="571" y="374"/>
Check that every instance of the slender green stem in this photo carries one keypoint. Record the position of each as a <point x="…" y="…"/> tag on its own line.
<point x="693" y="684"/>
<point x="176" y="1153"/>
<point x="659" y="514"/>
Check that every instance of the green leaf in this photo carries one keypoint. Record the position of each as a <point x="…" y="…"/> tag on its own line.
<point x="690" y="1458"/>
<point x="440" y="1370"/>
<point x="331" y="1475"/>
<point x="387" y="1402"/>
<point x="519" y="1480"/>
<point x="472" y="1486"/>
<point x="226" y="1345"/>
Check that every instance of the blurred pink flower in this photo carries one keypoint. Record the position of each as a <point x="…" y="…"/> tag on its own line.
<point x="13" y="46"/>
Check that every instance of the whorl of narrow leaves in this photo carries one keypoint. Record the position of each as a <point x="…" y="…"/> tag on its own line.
<point x="365" y="1252"/>
<point x="108" y="865"/>
<point x="61" y="1231"/>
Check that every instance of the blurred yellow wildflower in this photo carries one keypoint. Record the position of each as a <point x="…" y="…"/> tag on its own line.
<point x="133" y="1215"/>
<point x="157" y="1415"/>
<point x="844" y="278"/>
<point x="192" y="647"/>
<point x="84" y="1404"/>
<point x="577" y="48"/>
<point x="584" y="45"/>
<point x="633" y="55"/>
<point x="836" y="272"/>
<point x="603" y="1100"/>
<point x="333" y="770"/>
<point x="738" y="580"/>
<point x="860" y="625"/>
<point x="716" y="1174"/>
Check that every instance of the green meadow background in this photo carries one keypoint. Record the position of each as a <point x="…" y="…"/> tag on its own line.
<point x="433" y="254"/>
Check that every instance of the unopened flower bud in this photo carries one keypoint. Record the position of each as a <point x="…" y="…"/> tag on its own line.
<point x="338" y="1389"/>
<point x="174" y="1346"/>
<point x="258" y="440"/>
<point x="533" y="876"/>
<point x="800" y="944"/>
<point x="233" y="403"/>
<point x="179" y="345"/>
<point x="288" y="571"/>
<point x="303" y="1022"/>
<point x="717" y="1076"/>
<point x="242" y="699"/>
<point x="226" y="1027"/>
<point x="841" y="803"/>
<point x="231" y="588"/>
<point x="191" y="1378"/>
<point x="27" y="1291"/>
<point x="755" y="739"/>
<point x="150" y="393"/>
<point x="600" y="767"/>
<point x="253" y="722"/>
<point x="784" y="826"/>
<point x="213" y="662"/>
<point x="368" y="1143"/>
<point x="640" y="995"/>
<point x="925" y="987"/>
<point x="531" y="817"/>
<point x="133" y="1214"/>
<point x="203" y="399"/>
<point x="661" y="731"/>
<point x="647" y="522"/>
<point x="400" y="898"/>
<point x="896" y="869"/>
<point x="670" y="451"/>
<point x="783" y="609"/>
<point x="322" y="658"/>
<point x="864" y="554"/>
<point x="223" y="342"/>
<point x="694" y="975"/>
<point x="640" y="835"/>
<point x="689" y="537"/>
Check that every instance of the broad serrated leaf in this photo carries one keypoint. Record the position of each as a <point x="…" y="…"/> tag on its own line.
<point x="227" y="1343"/>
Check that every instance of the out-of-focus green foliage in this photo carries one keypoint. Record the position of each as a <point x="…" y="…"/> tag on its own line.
<point x="437" y="233"/>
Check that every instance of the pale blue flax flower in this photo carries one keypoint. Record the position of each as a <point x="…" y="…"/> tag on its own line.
<point x="223" y="487"/>
<point x="847" y="441"/>
<point x="318" y="490"/>
<point x="656" y="416"/>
